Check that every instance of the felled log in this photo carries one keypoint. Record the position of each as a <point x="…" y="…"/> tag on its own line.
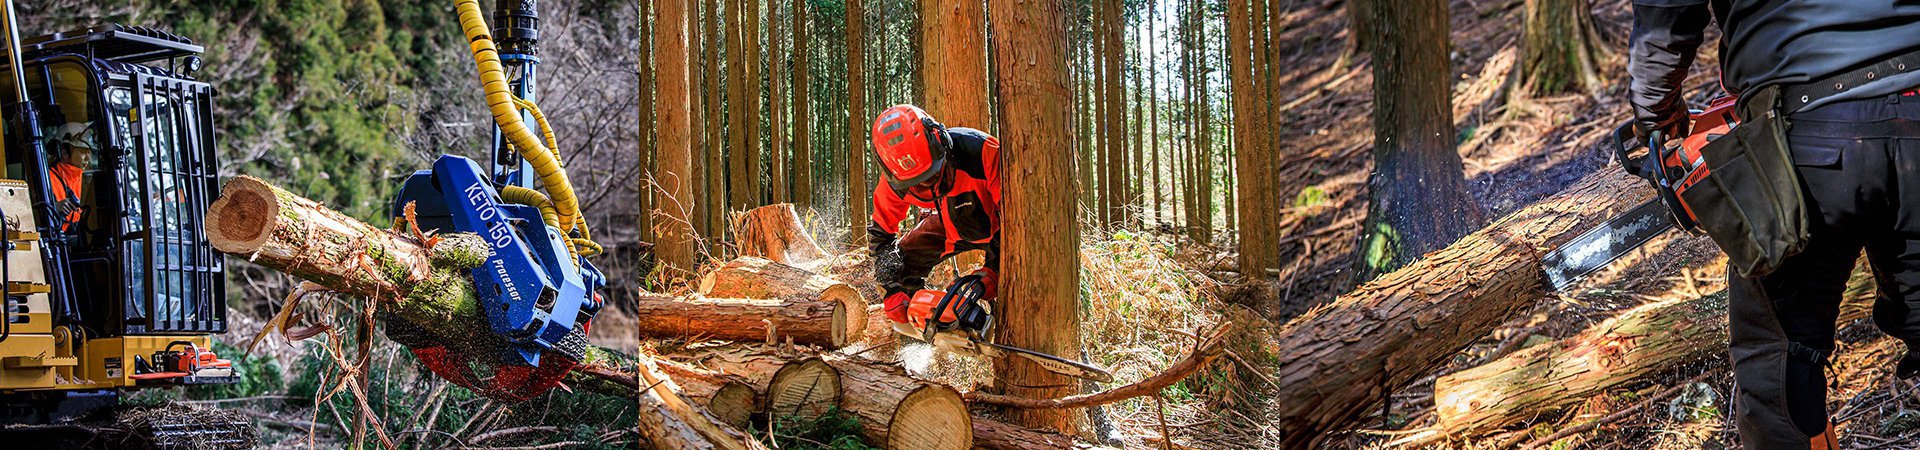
<point x="791" y="386"/>
<point x="1547" y="378"/>
<point x="996" y="435"/>
<point x="809" y="322"/>
<point x="1339" y="360"/>
<point x="774" y="232"/>
<point x="728" y="397"/>
<point x="898" y="411"/>
<point x="282" y="231"/>
<point x="1626" y="349"/>
<point x="751" y="277"/>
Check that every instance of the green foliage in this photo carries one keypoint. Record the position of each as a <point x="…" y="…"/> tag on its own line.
<point x="835" y="430"/>
<point x="1310" y="196"/>
<point x="1381" y="243"/>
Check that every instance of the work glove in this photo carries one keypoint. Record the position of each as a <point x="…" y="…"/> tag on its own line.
<point x="991" y="279"/>
<point x="896" y="306"/>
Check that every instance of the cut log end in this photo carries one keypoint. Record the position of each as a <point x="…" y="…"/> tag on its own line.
<point x="243" y="218"/>
<point x="931" y="418"/>
<point x="804" y="389"/>
<point x="733" y="404"/>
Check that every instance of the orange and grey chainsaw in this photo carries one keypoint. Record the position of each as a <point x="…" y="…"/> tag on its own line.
<point x="1671" y="168"/>
<point x="961" y="320"/>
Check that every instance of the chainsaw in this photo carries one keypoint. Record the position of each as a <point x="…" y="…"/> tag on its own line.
<point x="1671" y="168"/>
<point x="964" y="327"/>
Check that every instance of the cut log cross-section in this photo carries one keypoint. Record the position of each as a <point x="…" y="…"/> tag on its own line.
<point x="791" y="386"/>
<point x="1341" y="358"/>
<point x="757" y="278"/>
<point x="728" y="397"/>
<point x="898" y="411"/>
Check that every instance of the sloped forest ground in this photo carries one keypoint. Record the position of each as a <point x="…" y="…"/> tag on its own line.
<point x="1515" y="153"/>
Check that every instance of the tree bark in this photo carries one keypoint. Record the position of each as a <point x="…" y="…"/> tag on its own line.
<point x="1114" y="168"/>
<point x="898" y="411"/>
<point x="673" y="249"/>
<point x="1560" y="49"/>
<point x="858" y="124"/>
<point x="776" y="108"/>
<point x="1339" y="359"/>
<point x="955" y="55"/>
<point x="1258" y="222"/>
<point x="774" y="232"/>
<point x="644" y="130"/>
<point x="740" y="193"/>
<point x="996" y="435"/>
<point x="1040" y="251"/>
<point x="1418" y="198"/>
<point x="809" y="322"/>
<point x="802" y="106"/>
<point x="715" y="202"/>
<point x="1547" y="378"/>
<point x="751" y="40"/>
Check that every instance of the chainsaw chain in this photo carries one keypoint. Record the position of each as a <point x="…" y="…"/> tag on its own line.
<point x="574" y="346"/>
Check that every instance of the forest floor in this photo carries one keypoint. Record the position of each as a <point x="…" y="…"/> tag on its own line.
<point x="1515" y="155"/>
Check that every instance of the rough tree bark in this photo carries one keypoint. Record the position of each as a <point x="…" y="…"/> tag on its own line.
<point x="1340" y="359"/>
<point x="824" y="323"/>
<point x="673" y="249"/>
<point x="858" y="124"/>
<point x="740" y="194"/>
<point x="777" y="157"/>
<point x="1417" y="192"/>
<point x="802" y="106"/>
<point x="1560" y="50"/>
<point x="955" y="58"/>
<point x="1040" y="259"/>
<point x="643" y="139"/>
<point x="728" y="397"/>
<point x="898" y="411"/>
<point x="1258" y="221"/>
<point x="1113" y="173"/>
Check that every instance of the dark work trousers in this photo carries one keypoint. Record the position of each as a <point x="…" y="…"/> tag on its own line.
<point x="1861" y="169"/>
<point x="925" y="246"/>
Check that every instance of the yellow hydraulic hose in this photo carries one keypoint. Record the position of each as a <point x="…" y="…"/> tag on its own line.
<point x="506" y="115"/>
<point x="582" y="246"/>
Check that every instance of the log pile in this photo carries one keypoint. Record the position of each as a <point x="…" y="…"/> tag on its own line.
<point x="780" y="314"/>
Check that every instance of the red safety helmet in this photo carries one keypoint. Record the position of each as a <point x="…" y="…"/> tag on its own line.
<point x="911" y="145"/>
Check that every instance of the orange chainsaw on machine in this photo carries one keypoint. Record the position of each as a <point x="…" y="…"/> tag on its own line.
<point x="960" y="320"/>
<point x="1671" y="167"/>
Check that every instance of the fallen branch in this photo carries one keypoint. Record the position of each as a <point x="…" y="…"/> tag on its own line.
<point x="1203" y="354"/>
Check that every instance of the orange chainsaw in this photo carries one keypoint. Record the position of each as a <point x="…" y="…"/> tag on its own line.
<point x="1672" y="168"/>
<point x="962" y="310"/>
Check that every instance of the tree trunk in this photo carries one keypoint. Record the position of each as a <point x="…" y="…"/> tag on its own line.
<point x="1114" y="169"/>
<point x="898" y="411"/>
<point x="1547" y="378"/>
<point x="673" y="249"/>
<point x="1153" y="110"/>
<point x="802" y="106"/>
<point x="1258" y="222"/>
<point x="1560" y="49"/>
<point x="643" y="138"/>
<point x="774" y="232"/>
<point x="1341" y="358"/>
<point x="1136" y="159"/>
<point x="1040" y="251"/>
<point x="1203" y="155"/>
<point x="716" y="199"/>
<point x="858" y="124"/>
<point x="740" y="193"/>
<point x="428" y="288"/>
<point x="1418" y="198"/>
<point x="776" y="108"/>
<point x="751" y="40"/>
<point x="728" y="397"/>
<point x="955" y="55"/>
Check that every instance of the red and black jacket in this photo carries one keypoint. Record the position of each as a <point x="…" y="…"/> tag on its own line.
<point x="967" y="206"/>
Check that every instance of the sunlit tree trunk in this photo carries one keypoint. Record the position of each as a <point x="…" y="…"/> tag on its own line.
<point x="716" y="198"/>
<point x="1418" y="192"/>
<point x="643" y="154"/>
<point x="751" y="40"/>
<point x="955" y="61"/>
<point x="1136" y="160"/>
<point x="776" y="103"/>
<point x="674" y="249"/>
<point x="1040" y="245"/>
<point x="1153" y="108"/>
<point x="802" y="106"/>
<point x="1115" y="116"/>
<point x="858" y="190"/>
<point x="1258" y="230"/>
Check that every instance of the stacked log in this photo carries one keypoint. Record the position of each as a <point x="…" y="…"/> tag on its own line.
<point x="426" y="287"/>
<point x="808" y="322"/>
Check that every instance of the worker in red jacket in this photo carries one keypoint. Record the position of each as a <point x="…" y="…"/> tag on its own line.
<point x="953" y="176"/>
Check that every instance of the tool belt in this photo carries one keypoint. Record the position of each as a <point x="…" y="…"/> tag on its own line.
<point x="1739" y="188"/>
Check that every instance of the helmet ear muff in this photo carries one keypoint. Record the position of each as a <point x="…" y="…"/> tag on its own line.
<point x="938" y="141"/>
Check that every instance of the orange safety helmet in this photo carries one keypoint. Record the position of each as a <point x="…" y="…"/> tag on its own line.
<point x="911" y="145"/>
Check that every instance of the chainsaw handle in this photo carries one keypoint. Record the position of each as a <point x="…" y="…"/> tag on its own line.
<point x="969" y="288"/>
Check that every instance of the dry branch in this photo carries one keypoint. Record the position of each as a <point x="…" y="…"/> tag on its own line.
<point x="1341" y="358"/>
<point x="1205" y="353"/>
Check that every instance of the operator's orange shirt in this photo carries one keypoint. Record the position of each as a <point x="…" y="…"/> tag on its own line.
<point x="66" y="184"/>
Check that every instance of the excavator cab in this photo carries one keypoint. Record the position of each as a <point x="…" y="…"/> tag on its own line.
<point x="110" y="283"/>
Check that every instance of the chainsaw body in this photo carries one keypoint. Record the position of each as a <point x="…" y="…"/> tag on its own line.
<point x="534" y="292"/>
<point x="1673" y="167"/>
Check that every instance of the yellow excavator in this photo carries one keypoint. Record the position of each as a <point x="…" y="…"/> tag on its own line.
<point x="110" y="283"/>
